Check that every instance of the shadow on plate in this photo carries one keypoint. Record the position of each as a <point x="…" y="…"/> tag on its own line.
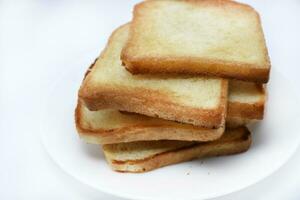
<point x="258" y="138"/>
<point x="92" y="150"/>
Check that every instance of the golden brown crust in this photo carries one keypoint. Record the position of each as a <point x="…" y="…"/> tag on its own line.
<point x="200" y="66"/>
<point x="78" y="118"/>
<point x="244" y="110"/>
<point x="143" y="132"/>
<point x="209" y="149"/>
<point x="151" y="103"/>
<point x="216" y="68"/>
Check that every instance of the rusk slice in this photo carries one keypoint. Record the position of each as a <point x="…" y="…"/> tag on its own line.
<point x="245" y="105"/>
<point x="193" y="100"/>
<point x="209" y="37"/>
<point x="112" y="126"/>
<point x="148" y="155"/>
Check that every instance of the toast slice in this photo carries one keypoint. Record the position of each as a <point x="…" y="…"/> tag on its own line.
<point x="148" y="155"/>
<point x="245" y="105"/>
<point x="112" y="126"/>
<point x="200" y="101"/>
<point x="209" y="37"/>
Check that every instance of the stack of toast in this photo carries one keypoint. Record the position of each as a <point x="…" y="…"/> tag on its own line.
<point x="180" y="81"/>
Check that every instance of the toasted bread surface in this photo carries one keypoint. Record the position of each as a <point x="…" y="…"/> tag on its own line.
<point x="209" y="37"/>
<point x="194" y="100"/>
<point x="148" y="155"/>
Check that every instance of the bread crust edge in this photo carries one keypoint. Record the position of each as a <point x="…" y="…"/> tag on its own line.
<point x="181" y="155"/>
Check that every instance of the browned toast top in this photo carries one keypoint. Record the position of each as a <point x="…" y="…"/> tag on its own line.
<point x="210" y="37"/>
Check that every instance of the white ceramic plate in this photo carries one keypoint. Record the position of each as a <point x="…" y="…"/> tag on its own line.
<point x="274" y="141"/>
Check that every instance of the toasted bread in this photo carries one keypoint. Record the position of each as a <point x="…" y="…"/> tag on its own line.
<point x="111" y="126"/>
<point x="200" y="101"/>
<point x="208" y="37"/>
<point x="148" y="155"/>
<point x="245" y="105"/>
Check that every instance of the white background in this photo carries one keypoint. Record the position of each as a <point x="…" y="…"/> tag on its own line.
<point x="35" y="39"/>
